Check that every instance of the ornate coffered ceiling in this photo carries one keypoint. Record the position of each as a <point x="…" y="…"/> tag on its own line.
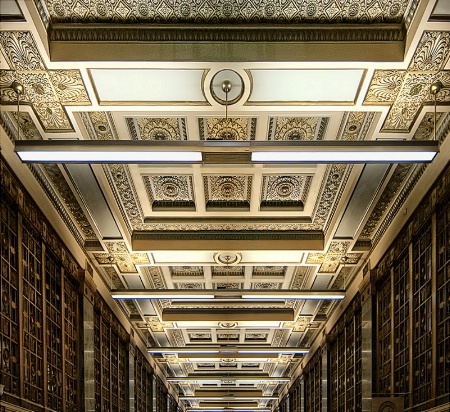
<point x="120" y="76"/>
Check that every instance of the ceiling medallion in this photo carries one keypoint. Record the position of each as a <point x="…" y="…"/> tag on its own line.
<point x="227" y="258"/>
<point x="228" y="325"/>
<point x="227" y="87"/>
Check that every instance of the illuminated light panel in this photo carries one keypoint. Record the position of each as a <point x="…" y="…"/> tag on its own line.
<point x="162" y="296"/>
<point x="228" y="398"/>
<point x="382" y="156"/>
<point x="85" y="156"/>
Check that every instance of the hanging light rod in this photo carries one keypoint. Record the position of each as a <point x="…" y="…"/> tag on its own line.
<point x="228" y="294"/>
<point x="228" y="350"/>
<point x="233" y="378"/>
<point x="225" y="151"/>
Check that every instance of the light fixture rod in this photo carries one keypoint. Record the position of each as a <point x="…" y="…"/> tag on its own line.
<point x="133" y="151"/>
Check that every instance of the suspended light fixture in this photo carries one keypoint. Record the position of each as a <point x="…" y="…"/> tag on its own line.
<point x="227" y="150"/>
<point x="222" y="151"/>
<point x="228" y="294"/>
<point x="233" y="378"/>
<point x="229" y="350"/>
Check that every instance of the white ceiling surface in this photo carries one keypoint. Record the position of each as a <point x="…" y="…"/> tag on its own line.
<point x="347" y="205"/>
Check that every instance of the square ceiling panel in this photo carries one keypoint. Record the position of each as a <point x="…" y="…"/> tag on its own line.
<point x="285" y="192"/>
<point x="170" y="192"/>
<point x="297" y="128"/>
<point x="157" y="128"/>
<point x="236" y="128"/>
<point x="227" y="192"/>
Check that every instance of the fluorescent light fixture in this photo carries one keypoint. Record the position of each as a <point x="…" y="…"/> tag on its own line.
<point x="343" y="157"/>
<point x="164" y="295"/>
<point x="182" y="350"/>
<point x="111" y="151"/>
<point x="224" y="152"/>
<point x="228" y="294"/>
<point x="229" y="350"/>
<point x="374" y="151"/>
<point x="296" y="295"/>
<point x="130" y="156"/>
<point x="228" y="408"/>
<point x="229" y="398"/>
<point x="285" y="351"/>
<point x="238" y="379"/>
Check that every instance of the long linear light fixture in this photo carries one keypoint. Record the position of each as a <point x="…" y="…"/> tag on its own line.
<point x="228" y="294"/>
<point x="228" y="408"/>
<point x="228" y="398"/>
<point x="237" y="379"/>
<point x="228" y="350"/>
<point x="225" y="152"/>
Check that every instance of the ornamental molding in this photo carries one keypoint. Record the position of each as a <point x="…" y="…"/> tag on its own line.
<point x="187" y="33"/>
<point x="46" y="91"/>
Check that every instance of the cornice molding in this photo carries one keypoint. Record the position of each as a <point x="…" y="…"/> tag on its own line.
<point x="187" y="33"/>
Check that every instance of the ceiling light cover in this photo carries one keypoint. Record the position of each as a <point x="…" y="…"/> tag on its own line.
<point x="228" y="294"/>
<point x="131" y="151"/>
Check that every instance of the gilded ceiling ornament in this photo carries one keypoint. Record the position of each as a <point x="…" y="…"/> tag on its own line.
<point x="46" y="90"/>
<point x="266" y="285"/>
<point x="210" y="11"/>
<point x="279" y="337"/>
<point x="385" y="86"/>
<point x="269" y="271"/>
<point x="227" y="271"/>
<point x="332" y="186"/>
<point x="300" y="277"/>
<point x="53" y="117"/>
<point x="384" y="202"/>
<point x="227" y="188"/>
<point x="407" y="91"/>
<point x="286" y="188"/>
<point x="189" y="285"/>
<point x="331" y="260"/>
<point x="186" y="271"/>
<point x="69" y="87"/>
<point x="155" y="325"/>
<point x="154" y="277"/>
<point x="111" y="278"/>
<point x="228" y="285"/>
<point x="355" y="125"/>
<point x="199" y="336"/>
<point x="171" y="191"/>
<point x="235" y="128"/>
<point x="66" y="195"/>
<point x="154" y="128"/>
<point x="99" y="125"/>
<point x="432" y="52"/>
<point x="123" y="261"/>
<point x="256" y="336"/>
<point x="124" y="191"/>
<point x="300" y="325"/>
<point x="297" y="128"/>
<point x="20" y="51"/>
<point x="176" y="337"/>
